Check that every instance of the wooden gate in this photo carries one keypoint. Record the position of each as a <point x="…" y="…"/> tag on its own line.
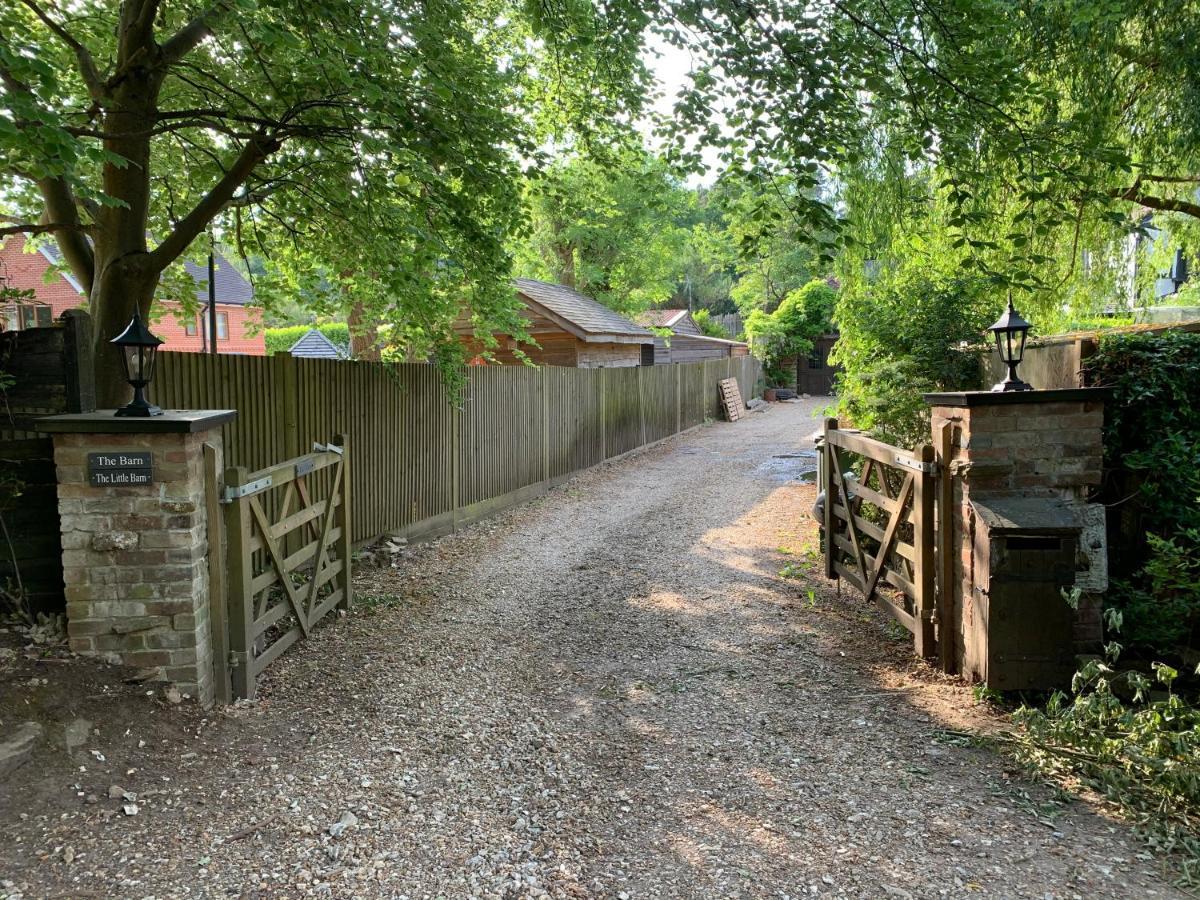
<point x="882" y="534"/>
<point x="288" y="538"/>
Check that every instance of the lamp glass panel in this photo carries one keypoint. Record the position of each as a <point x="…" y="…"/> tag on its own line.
<point x="1019" y="347"/>
<point x="133" y="364"/>
<point x="151" y="354"/>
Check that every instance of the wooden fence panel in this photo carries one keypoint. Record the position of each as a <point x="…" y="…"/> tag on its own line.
<point x="623" y="424"/>
<point x="659" y="389"/>
<point x="419" y="461"/>
<point x="693" y="395"/>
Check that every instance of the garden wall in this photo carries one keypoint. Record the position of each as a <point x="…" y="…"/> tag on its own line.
<point x="1057" y="361"/>
<point x="41" y="369"/>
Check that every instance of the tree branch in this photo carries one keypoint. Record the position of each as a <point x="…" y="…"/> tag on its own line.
<point x="1166" y="204"/>
<point x="29" y="228"/>
<point x="87" y="66"/>
<point x="190" y="35"/>
<point x="62" y="209"/>
<point x="189" y="227"/>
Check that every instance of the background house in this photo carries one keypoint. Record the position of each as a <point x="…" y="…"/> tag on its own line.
<point x="687" y="343"/>
<point x="570" y="329"/>
<point x="54" y="291"/>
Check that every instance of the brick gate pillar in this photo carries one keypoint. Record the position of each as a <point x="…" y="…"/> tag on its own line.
<point x="135" y="533"/>
<point x="1029" y="444"/>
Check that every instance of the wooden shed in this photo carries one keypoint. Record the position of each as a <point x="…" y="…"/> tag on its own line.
<point x="687" y="343"/>
<point x="570" y="329"/>
<point x="813" y="373"/>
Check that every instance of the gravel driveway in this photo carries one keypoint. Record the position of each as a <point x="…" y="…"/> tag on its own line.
<point x="633" y="687"/>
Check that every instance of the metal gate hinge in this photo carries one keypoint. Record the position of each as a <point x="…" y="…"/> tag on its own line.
<point x="927" y="467"/>
<point x="235" y="492"/>
<point x="318" y="447"/>
<point x="237" y="658"/>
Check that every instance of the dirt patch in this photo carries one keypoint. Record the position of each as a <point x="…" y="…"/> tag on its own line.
<point x="637" y="686"/>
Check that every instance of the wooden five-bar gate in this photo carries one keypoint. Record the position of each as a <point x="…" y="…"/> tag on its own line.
<point x="887" y="532"/>
<point x="288" y="540"/>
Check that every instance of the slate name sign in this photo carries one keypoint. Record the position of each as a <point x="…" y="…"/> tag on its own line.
<point x="118" y="468"/>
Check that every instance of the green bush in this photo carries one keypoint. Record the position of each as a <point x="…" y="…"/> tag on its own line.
<point x="804" y="315"/>
<point x="1142" y="754"/>
<point x="899" y="338"/>
<point x="282" y="339"/>
<point x="1152" y="459"/>
<point x="704" y="321"/>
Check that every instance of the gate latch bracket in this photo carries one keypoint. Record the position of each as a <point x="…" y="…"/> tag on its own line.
<point x="236" y="492"/>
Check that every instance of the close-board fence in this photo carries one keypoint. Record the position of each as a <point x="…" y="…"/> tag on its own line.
<point x="421" y="465"/>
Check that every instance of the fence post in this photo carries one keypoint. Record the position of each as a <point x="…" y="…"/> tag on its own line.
<point x="345" y="522"/>
<point x="925" y="567"/>
<point x="77" y="361"/>
<point x="678" y="399"/>
<point x="603" y="415"/>
<point x="946" y="550"/>
<point x="287" y="402"/>
<point x="456" y="416"/>
<point x="241" y="605"/>
<point x="543" y="379"/>
<point x="828" y="450"/>
<point x="641" y="386"/>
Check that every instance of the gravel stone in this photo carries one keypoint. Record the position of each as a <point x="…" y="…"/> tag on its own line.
<point x="637" y="686"/>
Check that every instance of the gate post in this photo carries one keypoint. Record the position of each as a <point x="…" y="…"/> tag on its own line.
<point x="925" y="567"/>
<point x="135" y="536"/>
<point x="241" y="614"/>
<point x="346" y="522"/>
<point x="827" y="479"/>
<point x="1032" y="455"/>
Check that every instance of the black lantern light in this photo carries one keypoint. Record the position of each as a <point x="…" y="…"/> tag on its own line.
<point x="138" y="349"/>
<point x="1010" y="331"/>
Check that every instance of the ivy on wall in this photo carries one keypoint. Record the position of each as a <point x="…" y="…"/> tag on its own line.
<point x="1152" y="459"/>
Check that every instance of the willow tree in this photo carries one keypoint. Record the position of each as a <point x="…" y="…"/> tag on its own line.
<point x="368" y="150"/>
<point x="1033" y="122"/>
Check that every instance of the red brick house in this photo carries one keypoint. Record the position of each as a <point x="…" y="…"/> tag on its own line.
<point x="238" y="321"/>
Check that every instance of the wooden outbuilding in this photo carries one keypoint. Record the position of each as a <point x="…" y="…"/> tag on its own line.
<point x="687" y="343"/>
<point x="569" y="329"/>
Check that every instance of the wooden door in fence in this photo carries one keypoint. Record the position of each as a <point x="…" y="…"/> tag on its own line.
<point x="288" y="539"/>
<point x="881" y="529"/>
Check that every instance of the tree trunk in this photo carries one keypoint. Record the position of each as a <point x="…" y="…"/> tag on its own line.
<point x="118" y="288"/>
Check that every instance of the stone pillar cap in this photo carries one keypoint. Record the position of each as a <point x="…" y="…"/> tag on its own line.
<point x="1017" y="398"/>
<point x="105" y="421"/>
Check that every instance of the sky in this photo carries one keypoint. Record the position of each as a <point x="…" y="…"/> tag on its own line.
<point x="670" y="66"/>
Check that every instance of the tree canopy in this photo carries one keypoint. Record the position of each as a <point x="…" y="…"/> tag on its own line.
<point x="378" y="154"/>
<point x="371" y="150"/>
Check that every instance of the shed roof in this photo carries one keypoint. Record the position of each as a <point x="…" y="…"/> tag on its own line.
<point x="314" y="345"/>
<point x="581" y="315"/>
<point x="661" y="318"/>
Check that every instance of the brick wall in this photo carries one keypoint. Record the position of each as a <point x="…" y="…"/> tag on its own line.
<point x="27" y="271"/>
<point x="245" y="332"/>
<point x="134" y="558"/>
<point x="1052" y="450"/>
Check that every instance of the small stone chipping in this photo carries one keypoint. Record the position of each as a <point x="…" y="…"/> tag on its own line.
<point x="635" y="687"/>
